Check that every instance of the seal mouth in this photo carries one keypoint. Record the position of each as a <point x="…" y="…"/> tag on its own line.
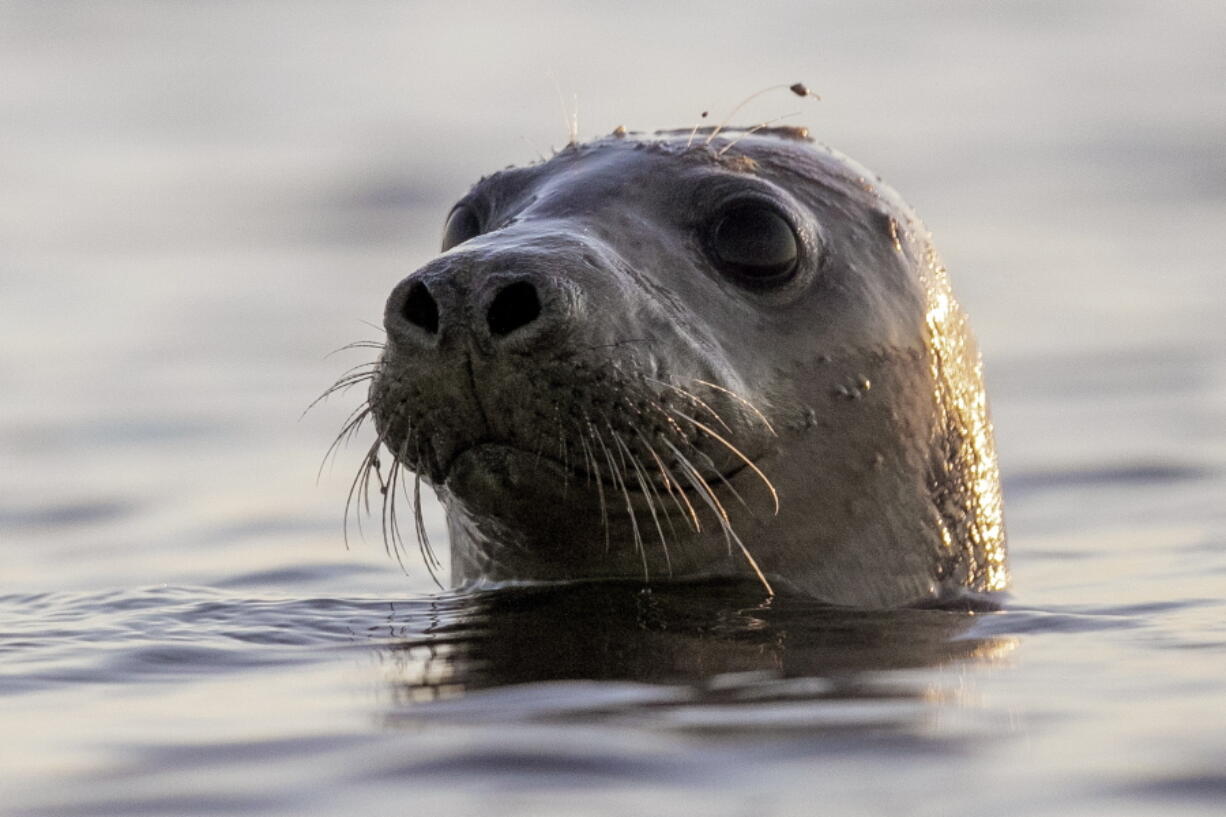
<point x="505" y="459"/>
<point x="496" y="454"/>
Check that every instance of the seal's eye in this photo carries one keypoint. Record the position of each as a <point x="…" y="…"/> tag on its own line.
<point x="754" y="242"/>
<point x="462" y="224"/>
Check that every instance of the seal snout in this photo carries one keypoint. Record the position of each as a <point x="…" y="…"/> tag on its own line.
<point x="514" y="308"/>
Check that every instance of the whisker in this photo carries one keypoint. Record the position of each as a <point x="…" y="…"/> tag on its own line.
<point x="357" y="344"/>
<point x="387" y="516"/>
<point x="357" y="374"/>
<point x="681" y="435"/>
<point x="358" y="488"/>
<point x="370" y="365"/>
<point x="690" y="395"/>
<point x="594" y="472"/>
<point x="563" y="449"/>
<point x="347" y="432"/>
<point x="668" y="478"/>
<point x="770" y="486"/>
<point x="724" y="480"/>
<point x="423" y="538"/>
<point x="634" y="524"/>
<point x="588" y="465"/>
<point x="692" y="472"/>
<point x="342" y="385"/>
<point x="743" y="402"/>
<point x="703" y="489"/>
<point x="648" y="491"/>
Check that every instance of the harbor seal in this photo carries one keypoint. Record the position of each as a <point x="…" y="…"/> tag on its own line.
<point x="688" y="354"/>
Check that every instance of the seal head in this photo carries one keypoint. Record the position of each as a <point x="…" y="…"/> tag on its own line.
<point x="693" y="355"/>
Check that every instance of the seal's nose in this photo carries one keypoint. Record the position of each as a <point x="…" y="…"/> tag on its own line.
<point x="420" y="309"/>
<point x="514" y="307"/>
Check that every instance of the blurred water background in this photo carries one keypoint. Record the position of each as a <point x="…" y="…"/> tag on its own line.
<point x="199" y="201"/>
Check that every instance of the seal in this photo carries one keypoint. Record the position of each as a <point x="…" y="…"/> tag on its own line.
<point x="692" y="354"/>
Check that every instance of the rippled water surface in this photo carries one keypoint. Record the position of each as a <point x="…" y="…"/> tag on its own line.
<point x="199" y="201"/>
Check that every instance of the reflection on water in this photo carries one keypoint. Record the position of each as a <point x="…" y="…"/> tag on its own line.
<point x="724" y="642"/>
<point x="194" y="697"/>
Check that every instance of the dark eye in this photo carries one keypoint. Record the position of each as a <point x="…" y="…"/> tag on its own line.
<point x="461" y="225"/>
<point x="755" y="242"/>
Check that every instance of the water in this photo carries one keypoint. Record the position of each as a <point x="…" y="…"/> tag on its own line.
<point x="202" y="200"/>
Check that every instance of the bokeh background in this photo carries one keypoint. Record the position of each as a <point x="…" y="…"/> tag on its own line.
<point x="200" y="201"/>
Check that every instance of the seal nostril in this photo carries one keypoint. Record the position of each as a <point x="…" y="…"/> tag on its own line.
<point x="420" y="309"/>
<point x="515" y="306"/>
